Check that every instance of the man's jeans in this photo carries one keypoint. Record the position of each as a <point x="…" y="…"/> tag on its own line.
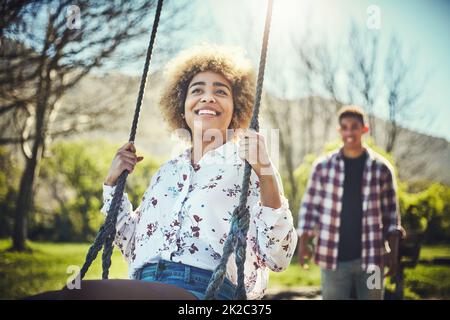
<point x="338" y="284"/>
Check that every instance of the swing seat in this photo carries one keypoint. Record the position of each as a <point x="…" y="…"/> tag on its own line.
<point x="117" y="289"/>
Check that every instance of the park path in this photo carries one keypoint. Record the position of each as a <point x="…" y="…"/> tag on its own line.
<point x="294" y="293"/>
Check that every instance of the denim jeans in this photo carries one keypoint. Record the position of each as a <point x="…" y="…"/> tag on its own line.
<point x="193" y="279"/>
<point x="349" y="277"/>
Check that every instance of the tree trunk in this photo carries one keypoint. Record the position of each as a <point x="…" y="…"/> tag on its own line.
<point x="24" y="200"/>
<point x="392" y="136"/>
<point x="25" y="197"/>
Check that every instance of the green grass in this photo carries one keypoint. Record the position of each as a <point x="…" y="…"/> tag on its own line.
<point x="45" y="268"/>
<point x="422" y="282"/>
<point x="295" y="276"/>
<point x="430" y="252"/>
<point x="429" y="281"/>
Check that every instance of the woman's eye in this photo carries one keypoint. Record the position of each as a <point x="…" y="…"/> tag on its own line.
<point x="196" y="90"/>
<point x="221" y="92"/>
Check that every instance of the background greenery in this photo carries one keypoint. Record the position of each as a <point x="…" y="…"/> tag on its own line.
<point x="66" y="218"/>
<point x="45" y="268"/>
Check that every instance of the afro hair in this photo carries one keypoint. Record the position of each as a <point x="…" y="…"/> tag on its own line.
<point x="228" y="61"/>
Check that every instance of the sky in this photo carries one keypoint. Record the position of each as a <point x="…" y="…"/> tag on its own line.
<point x="422" y="26"/>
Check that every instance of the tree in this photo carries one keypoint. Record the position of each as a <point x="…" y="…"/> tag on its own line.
<point x="46" y="51"/>
<point x="400" y="94"/>
<point x="362" y="74"/>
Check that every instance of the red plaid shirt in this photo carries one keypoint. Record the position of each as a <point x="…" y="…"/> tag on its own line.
<point x="322" y="203"/>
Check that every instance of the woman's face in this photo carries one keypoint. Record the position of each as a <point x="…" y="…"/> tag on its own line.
<point x="209" y="103"/>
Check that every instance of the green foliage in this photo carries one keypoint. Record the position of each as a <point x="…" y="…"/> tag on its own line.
<point x="71" y="181"/>
<point x="428" y="211"/>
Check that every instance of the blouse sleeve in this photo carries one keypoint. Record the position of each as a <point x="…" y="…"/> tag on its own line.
<point x="127" y="220"/>
<point x="275" y="232"/>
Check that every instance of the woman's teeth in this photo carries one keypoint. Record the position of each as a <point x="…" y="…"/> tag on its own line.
<point x="211" y="112"/>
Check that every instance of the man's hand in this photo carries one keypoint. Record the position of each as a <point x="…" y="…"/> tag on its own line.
<point x="304" y="250"/>
<point x="391" y="263"/>
<point x="391" y="258"/>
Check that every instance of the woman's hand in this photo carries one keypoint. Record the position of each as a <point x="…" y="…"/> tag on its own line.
<point x="125" y="159"/>
<point x="252" y="147"/>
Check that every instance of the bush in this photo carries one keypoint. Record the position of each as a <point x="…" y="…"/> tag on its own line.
<point x="428" y="211"/>
<point x="70" y="190"/>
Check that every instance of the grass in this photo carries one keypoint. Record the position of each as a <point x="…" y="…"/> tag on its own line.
<point x="45" y="268"/>
<point x="295" y="276"/>
<point x="430" y="252"/>
<point x="429" y="281"/>
<point x="422" y="282"/>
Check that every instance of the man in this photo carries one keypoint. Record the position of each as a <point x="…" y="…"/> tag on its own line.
<point x="351" y="206"/>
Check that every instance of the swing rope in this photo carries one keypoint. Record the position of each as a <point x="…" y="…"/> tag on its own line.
<point x="237" y="237"/>
<point x="107" y="231"/>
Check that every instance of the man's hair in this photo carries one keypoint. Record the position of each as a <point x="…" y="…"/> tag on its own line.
<point x="352" y="112"/>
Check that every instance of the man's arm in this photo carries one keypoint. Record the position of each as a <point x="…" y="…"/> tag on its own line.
<point x="392" y="229"/>
<point x="309" y="215"/>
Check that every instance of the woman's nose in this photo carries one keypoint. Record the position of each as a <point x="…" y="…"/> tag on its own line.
<point x="208" y="98"/>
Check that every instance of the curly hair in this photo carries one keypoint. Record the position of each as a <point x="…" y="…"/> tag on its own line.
<point x="228" y="61"/>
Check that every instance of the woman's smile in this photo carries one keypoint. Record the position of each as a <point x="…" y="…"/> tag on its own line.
<point x="207" y="112"/>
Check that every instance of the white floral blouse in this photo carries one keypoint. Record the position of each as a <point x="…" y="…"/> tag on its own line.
<point x="185" y="217"/>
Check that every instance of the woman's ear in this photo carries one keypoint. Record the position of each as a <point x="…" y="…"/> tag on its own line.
<point x="366" y="129"/>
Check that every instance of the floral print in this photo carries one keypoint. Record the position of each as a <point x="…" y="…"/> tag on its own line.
<point x="185" y="217"/>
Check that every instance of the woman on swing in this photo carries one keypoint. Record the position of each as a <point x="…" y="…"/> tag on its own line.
<point x="174" y="240"/>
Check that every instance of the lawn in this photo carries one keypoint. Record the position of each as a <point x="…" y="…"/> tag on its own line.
<point x="45" y="268"/>
<point x="423" y="282"/>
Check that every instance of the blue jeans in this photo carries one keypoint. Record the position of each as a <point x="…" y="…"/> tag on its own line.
<point x="338" y="284"/>
<point x="193" y="279"/>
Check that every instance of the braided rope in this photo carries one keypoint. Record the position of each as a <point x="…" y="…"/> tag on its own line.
<point x="107" y="231"/>
<point x="241" y="218"/>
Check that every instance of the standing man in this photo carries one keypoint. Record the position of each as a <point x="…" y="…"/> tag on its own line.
<point x="350" y="206"/>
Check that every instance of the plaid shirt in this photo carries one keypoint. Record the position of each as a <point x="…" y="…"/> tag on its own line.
<point x="322" y="204"/>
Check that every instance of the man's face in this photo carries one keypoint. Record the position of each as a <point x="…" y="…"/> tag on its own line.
<point x="351" y="130"/>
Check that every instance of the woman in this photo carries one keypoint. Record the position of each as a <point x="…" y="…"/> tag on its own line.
<point x="184" y="218"/>
<point x="174" y="240"/>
